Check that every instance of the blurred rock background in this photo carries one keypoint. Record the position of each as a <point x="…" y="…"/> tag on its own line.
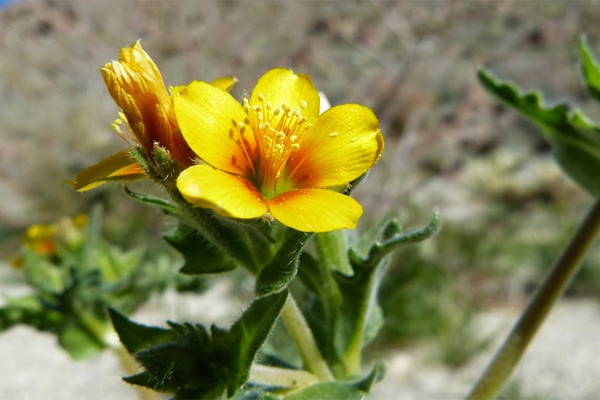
<point x="507" y="208"/>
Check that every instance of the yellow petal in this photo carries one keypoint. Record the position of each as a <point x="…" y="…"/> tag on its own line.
<point x="116" y="167"/>
<point x="207" y="117"/>
<point x="315" y="210"/>
<point x="281" y="86"/>
<point x="224" y="83"/>
<point x="343" y="143"/>
<point x="226" y="194"/>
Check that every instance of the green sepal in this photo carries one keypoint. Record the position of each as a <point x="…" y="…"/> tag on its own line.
<point x="590" y="69"/>
<point x="282" y="268"/>
<point x="392" y="237"/>
<point x="575" y="140"/>
<point x="347" y="390"/>
<point x="167" y="207"/>
<point x="201" y="257"/>
<point x="164" y="162"/>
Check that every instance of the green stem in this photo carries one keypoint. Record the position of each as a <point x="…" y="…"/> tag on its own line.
<point x="302" y="335"/>
<point x="547" y="294"/>
<point x="281" y="377"/>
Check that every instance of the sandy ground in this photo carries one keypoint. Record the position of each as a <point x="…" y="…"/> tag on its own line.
<point x="561" y="363"/>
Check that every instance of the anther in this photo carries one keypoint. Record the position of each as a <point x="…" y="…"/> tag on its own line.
<point x="303" y="104"/>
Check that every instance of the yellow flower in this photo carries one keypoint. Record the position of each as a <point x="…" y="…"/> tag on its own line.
<point x="274" y="153"/>
<point x="147" y="118"/>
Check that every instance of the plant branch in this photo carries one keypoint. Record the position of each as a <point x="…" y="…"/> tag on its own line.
<point x="281" y="377"/>
<point x="302" y="335"/>
<point x="534" y="315"/>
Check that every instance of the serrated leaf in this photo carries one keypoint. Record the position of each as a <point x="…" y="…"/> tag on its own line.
<point x="200" y="256"/>
<point x="136" y="336"/>
<point x="392" y="239"/>
<point x="248" y="334"/>
<point x="353" y="390"/>
<point x="282" y="268"/>
<point x="186" y="360"/>
<point x="590" y="69"/>
<point x="575" y="140"/>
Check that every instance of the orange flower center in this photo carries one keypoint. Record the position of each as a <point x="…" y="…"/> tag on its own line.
<point x="276" y="132"/>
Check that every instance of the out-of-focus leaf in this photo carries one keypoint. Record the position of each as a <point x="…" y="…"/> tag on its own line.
<point x="28" y="310"/>
<point x="590" y="69"/>
<point x="575" y="140"/>
<point x="79" y="342"/>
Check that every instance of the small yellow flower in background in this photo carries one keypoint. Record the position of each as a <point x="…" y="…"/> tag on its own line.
<point x="45" y="239"/>
<point x="147" y="117"/>
<point x="274" y="153"/>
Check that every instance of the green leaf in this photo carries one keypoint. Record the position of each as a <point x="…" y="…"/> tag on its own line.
<point x="333" y="251"/>
<point x="79" y="342"/>
<point x="247" y="336"/>
<point x="201" y="257"/>
<point x="167" y="207"/>
<point x="282" y="268"/>
<point x="392" y="239"/>
<point x="135" y="336"/>
<point x="186" y="360"/>
<point x="30" y="311"/>
<point x="347" y="390"/>
<point x="575" y="140"/>
<point x="590" y="69"/>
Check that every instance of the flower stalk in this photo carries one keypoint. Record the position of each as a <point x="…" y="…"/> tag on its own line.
<point x="538" y="308"/>
<point x="281" y="377"/>
<point x="304" y="339"/>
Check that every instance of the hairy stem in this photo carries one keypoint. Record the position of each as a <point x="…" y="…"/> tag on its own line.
<point x="302" y="335"/>
<point x="546" y="296"/>
<point x="281" y="377"/>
